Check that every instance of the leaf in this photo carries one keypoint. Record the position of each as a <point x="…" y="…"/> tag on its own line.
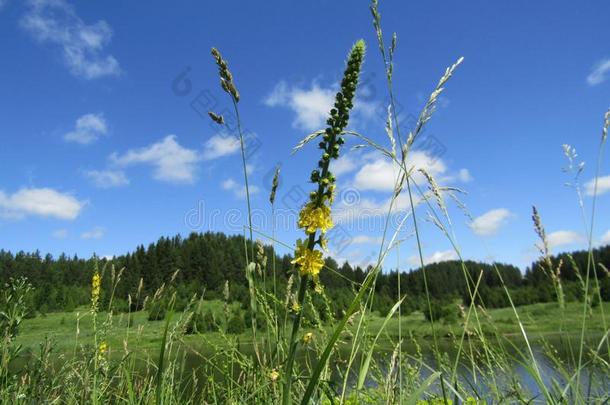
<point x="419" y="392"/>
<point x="365" y="366"/>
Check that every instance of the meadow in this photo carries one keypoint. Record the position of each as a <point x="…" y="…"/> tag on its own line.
<point x="286" y="341"/>
<point x="541" y="320"/>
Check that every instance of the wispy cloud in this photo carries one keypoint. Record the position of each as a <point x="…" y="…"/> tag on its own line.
<point x="365" y="239"/>
<point x="380" y="174"/>
<point x="95" y="233"/>
<point x="42" y="202"/>
<point x="219" y="146"/>
<point x="311" y="105"/>
<point x="171" y="162"/>
<point x="436" y="257"/>
<point x="345" y="164"/>
<point x="239" y="190"/>
<point x="107" y="178"/>
<point x="490" y="222"/>
<point x="464" y="176"/>
<point x="605" y="240"/>
<point x="562" y="238"/>
<point x="56" y="22"/>
<point x="60" y="234"/>
<point x="87" y="129"/>
<point x="603" y="185"/>
<point x="599" y="73"/>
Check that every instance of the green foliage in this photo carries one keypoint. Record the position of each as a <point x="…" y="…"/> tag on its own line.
<point x="157" y="310"/>
<point x="201" y="323"/>
<point x="442" y="310"/>
<point x="236" y="324"/>
<point x="208" y="260"/>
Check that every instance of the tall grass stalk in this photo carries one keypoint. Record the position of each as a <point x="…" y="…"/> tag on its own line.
<point x="590" y="260"/>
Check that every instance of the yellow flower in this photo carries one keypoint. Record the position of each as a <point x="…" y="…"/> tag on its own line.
<point x="274" y="375"/>
<point x="312" y="218"/>
<point x="309" y="261"/>
<point x="307" y="337"/>
<point x="101" y="350"/>
<point x="96" y="282"/>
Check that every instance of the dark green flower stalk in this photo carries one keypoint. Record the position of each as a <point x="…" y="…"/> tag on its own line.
<point x="226" y="82"/>
<point x="315" y="216"/>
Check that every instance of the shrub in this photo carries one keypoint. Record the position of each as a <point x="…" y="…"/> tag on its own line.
<point x="200" y="323"/>
<point x="236" y="324"/>
<point x="157" y="310"/>
<point x="441" y="310"/>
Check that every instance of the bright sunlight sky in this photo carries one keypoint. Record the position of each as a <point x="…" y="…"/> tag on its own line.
<point x="105" y="144"/>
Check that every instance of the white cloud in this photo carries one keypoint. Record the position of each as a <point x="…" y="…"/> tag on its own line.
<point x="561" y="238"/>
<point x="603" y="186"/>
<point x="60" y="234"/>
<point x="172" y="162"/>
<point x="369" y="214"/>
<point x="82" y="46"/>
<point x="88" y="128"/>
<point x="95" y="233"/>
<point x="605" y="239"/>
<point x="107" y="178"/>
<point x="376" y="173"/>
<point x="436" y="257"/>
<point x="344" y="164"/>
<point x="490" y="222"/>
<point x="464" y="176"/>
<point x="364" y="239"/>
<point x="311" y="106"/>
<point x="43" y="202"/>
<point x="219" y="146"/>
<point x="238" y="190"/>
<point x="600" y="73"/>
<point x="380" y="173"/>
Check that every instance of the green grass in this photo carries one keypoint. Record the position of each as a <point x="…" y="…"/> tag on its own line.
<point x="61" y="327"/>
<point x="539" y="320"/>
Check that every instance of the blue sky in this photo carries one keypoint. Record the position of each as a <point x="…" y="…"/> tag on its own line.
<point x="104" y="146"/>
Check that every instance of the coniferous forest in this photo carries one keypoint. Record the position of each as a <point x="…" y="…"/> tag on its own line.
<point x="205" y="262"/>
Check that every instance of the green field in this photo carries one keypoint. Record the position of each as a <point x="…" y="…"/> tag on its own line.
<point x="538" y="320"/>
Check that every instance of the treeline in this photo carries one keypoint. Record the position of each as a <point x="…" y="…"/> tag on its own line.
<point x="207" y="261"/>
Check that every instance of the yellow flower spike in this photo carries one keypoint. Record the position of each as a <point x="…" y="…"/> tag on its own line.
<point x="101" y="350"/>
<point x="312" y="218"/>
<point x="274" y="375"/>
<point x="96" y="283"/>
